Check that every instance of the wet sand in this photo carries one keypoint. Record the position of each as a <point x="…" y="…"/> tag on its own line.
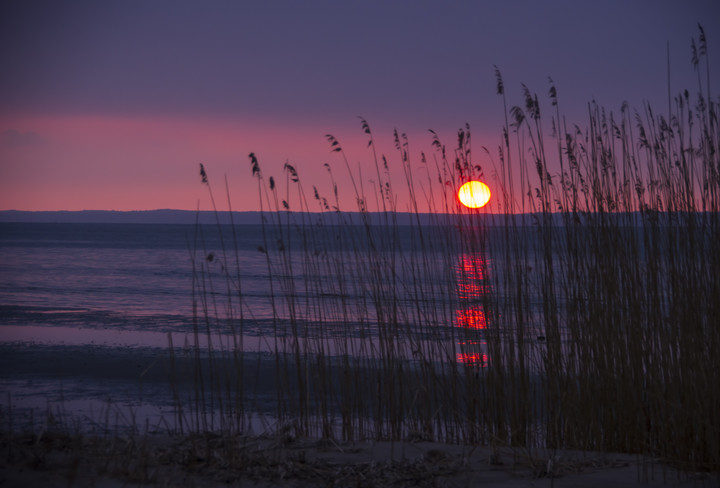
<point x="94" y="384"/>
<point x="59" y="461"/>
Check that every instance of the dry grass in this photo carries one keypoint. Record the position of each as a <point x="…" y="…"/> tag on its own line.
<point x="211" y="460"/>
<point x="592" y="297"/>
<point x="582" y="315"/>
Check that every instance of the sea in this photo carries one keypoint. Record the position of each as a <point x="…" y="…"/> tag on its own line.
<point x="89" y="311"/>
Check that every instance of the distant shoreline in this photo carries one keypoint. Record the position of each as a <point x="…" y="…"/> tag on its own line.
<point x="170" y="216"/>
<point x="162" y="216"/>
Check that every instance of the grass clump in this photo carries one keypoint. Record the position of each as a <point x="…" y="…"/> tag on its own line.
<point x="581" y="313"/>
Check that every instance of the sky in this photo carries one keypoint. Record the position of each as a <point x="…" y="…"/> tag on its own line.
<point x="113" y="105"/>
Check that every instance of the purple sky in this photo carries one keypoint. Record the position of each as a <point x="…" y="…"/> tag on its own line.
<point x="112" y="105"/>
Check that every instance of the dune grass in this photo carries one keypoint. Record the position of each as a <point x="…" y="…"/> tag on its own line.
<point x="583" y="314"/>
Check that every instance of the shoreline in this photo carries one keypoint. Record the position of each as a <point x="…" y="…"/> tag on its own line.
<point x="71" y="409"/>
<point x="54" y="459"/>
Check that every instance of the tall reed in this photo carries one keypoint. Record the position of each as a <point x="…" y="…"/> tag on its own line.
<point x="582" y="314"/>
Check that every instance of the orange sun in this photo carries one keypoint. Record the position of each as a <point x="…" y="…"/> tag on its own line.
<point x="474" y="194"/>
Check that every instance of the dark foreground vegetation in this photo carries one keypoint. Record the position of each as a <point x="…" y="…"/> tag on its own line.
<point x="583" y="314"/>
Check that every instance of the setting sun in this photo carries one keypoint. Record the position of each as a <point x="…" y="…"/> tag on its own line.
<point x="474" y="194"/>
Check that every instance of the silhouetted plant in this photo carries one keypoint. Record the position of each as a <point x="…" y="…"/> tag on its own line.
<point x="600" y="301"/>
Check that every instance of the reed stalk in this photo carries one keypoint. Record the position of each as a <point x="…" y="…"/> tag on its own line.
<point x="581" y="313"/>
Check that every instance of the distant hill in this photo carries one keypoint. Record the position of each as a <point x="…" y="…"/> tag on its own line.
<point x="168" y="216"/>
<point x="165" y="216"/>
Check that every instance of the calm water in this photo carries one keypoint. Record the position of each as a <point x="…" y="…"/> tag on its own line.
<point x="114" y="276"/>
<point x="86" y="309"/>
<point x="139" y="277"/>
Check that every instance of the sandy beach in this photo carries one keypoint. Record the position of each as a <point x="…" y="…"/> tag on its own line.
<point x="53" y="460"/>
<point x="74" y="445"/>
<point x="345" y="244"/>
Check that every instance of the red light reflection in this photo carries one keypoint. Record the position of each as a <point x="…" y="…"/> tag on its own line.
<point x="473" y="358"/>
<point x="470" y="317"/>
<point x="472" y="275"/>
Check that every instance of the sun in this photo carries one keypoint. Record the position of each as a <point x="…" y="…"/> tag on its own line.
<point x="474" y="194"/>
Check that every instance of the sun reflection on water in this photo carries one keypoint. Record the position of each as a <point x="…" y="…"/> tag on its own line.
<point x="470" y="318"/>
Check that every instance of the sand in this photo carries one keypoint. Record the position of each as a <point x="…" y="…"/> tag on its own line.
<point x="65" y="453"/>
<point x="56" y="460"/>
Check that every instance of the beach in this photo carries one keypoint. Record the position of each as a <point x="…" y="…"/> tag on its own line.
<point x="52" y="460"/>
<point x="103" y="416"/>
<point x="369" y="356"/>
<point x="208" y="278"/>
